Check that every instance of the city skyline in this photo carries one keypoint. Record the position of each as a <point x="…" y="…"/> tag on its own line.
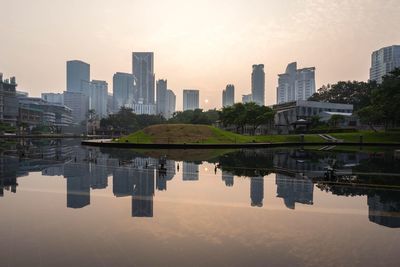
<point x="203" y="55"/>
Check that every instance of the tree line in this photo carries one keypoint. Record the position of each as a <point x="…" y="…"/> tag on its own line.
<point x="375" y="104"/>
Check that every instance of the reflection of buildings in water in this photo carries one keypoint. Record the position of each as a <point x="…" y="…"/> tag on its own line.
<point x="98" y="177"/>
<point x="227" y="178"/>
<point x="8" y="174"/>
<point x="190" y="171"/>
<point x="294" y="190"/>
<point x="311" y="164"/>
<point x="78" y="185"/>
<point x="257" y="191"/>
<point x="384" y="213"/>
<point x="143" y="193"/>
<point x="162" y="176"/>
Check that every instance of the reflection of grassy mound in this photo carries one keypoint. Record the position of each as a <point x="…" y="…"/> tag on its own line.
<point x="188" y="133"/>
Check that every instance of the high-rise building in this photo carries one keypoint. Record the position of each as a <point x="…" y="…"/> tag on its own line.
<point x="78" y="76"/>
<point x="384" y="61"/>
<point x="190" y="99"/>
<point x="124" y="90"/>
<point x="98" y="94"/>
<point x="295" y="84"/>
<point x="258" y="84"/>
<point x="247" y="98"/>
<point x="79" y="103"/>
<point x="143" y="70"/>
<point x="162" y="97"/>
<point x="171" y="104"/>
<point x="56" y="98"/>
<point x="8" y="101"/>
<point x="228" y="96"/>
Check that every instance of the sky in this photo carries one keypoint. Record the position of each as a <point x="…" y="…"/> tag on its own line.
<point x="203" y="44"/>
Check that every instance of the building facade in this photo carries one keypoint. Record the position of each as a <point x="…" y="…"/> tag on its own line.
<point x="295" y="84"/>
<point x="384" y="61"/>
<point x="8" y="101"/>
<point x="53" y="97"/>
<point x="124" y="89"/>
<point x="143" y="70"/>
<point x="171" y="104"/>
<point x="78" y="103"/>
<point x="258" y="84"/>
<point x="247" y="98"/>
<point x="78" y="76"/>
<point x="190" y="99"/>
<point x="162" y="97"/>
<point x="300" y="112"/>
<point x="228" y="96"/>
<point x="98" y="95"/>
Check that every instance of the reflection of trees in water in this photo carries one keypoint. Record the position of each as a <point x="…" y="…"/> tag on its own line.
<point x="250" y="163"/>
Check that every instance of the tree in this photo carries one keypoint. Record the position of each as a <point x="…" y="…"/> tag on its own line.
<point x="370" y="115"/>
<point x="355" y="93"/>
<point x="335" y="120"/>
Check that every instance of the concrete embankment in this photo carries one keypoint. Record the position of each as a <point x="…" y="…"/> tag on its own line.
<point x="110" y="143"/>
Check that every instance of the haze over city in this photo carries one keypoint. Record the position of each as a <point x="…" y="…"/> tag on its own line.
<point x="197" y="44"/>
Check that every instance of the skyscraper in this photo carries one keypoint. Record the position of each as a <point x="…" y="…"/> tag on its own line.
<point x="123" y="90"/>
<point x="143" y="69"/>
<point x="78" y="76"/>
<point x="79" y="103"/>
<point x="98" y="94"/>
<point x="258" y="84"/>
<point x="295" y="84"/>
<point x="228" y="95"/>
<point x="190" y="99"/>
<point x="162" y="97"/>
<point x="171" y="104"/>
<point x="384" y="61"/>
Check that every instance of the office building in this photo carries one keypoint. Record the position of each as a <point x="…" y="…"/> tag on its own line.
<point x="98" y="96"/>
<point x="162" y="97"/>
<point x="143" y="70"/>
<point x="247" y="98"/>
<point x="78" y="76"/>
<point x="53" y="97"/>
<point x="8" y="100"/>
<point x="384" y="61"/>
<point x="295" y="84"/>
<point x="78" y="103"/>
<point x="258" y="84"/>
<point x="228" y="96"/>
<point x="124" y="89"/>
<point x="293" y="114"/>
<point x="190" y="99"/>
<point x="171" y="104"/>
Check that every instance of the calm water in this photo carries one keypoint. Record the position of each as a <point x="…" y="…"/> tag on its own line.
<point x="66" y="205"/>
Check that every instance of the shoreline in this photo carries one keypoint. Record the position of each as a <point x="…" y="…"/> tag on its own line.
<point x="108" y="143"/>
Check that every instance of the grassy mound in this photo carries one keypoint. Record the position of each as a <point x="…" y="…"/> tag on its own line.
<point x="203" y="134"/>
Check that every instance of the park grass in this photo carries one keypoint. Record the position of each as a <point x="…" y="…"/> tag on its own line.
<point x="205" y="134"/>
<point x="369" y="137"/>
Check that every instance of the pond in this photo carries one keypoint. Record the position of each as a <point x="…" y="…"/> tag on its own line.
<point x="63" y="204"/>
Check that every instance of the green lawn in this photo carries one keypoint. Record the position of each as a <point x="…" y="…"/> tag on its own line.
<point x="369" y="136"/>
<point x="204" y="134"/>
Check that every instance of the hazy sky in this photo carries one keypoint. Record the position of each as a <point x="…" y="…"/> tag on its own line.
<point x="197" y="44"/>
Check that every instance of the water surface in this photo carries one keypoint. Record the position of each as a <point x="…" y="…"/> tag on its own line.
<point x="67" y="205"/>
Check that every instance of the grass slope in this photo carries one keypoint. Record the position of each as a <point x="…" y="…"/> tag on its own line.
<point x="205" y="134"/>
